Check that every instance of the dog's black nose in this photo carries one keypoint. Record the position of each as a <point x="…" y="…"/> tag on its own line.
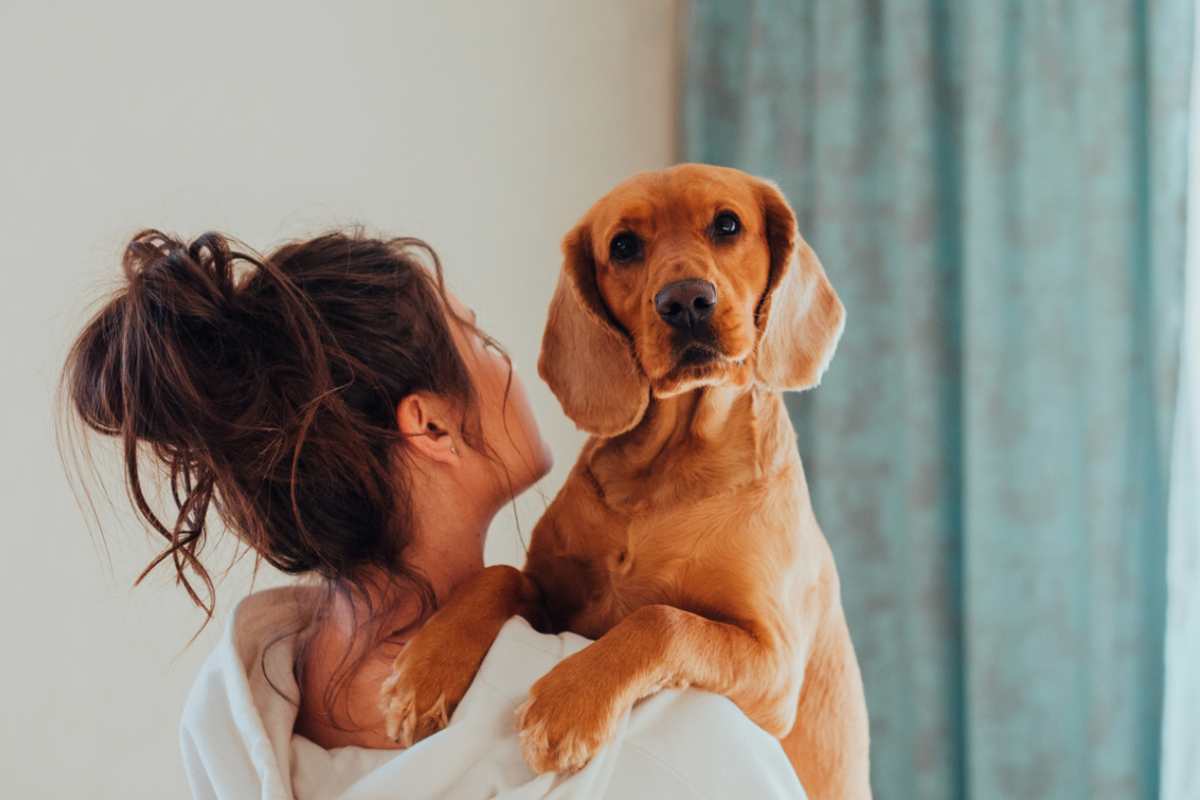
<point x="685" y="304"/>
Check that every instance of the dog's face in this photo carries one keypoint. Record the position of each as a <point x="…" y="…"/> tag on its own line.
<point x="681" y="261"/>
<point x="683" y="278"/>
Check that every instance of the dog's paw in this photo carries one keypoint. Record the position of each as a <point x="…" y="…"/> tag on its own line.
<point x="429" y="678"/>
<point x="568" y="717"/>
<point x="411" y="711"/>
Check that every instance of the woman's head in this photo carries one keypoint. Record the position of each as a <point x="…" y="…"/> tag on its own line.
<point x="305" y="396"/>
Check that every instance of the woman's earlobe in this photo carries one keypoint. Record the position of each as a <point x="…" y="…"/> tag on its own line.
<point x="422" y="420"/>
<point x="441" y="437"/>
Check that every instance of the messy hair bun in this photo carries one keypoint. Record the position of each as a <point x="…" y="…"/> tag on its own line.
<point x="266" y="389"/>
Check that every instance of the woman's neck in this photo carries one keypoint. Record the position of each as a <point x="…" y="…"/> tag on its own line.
<point x="448" y="538"/>
<point x="364" y="628"/>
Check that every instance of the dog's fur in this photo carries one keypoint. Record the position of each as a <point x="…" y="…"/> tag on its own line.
<point x="683" y="540"/>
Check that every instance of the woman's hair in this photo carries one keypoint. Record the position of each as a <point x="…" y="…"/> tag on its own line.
<point x="266" y="388"/>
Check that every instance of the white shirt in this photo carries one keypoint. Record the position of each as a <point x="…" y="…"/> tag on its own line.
<point x="238" y="742"/>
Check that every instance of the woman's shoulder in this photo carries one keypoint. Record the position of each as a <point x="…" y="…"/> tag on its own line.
<point x="673" y="744"/>
<point x="242" y="700"/>
<point x="340" y="690"/>
<point x="257" y="638"/>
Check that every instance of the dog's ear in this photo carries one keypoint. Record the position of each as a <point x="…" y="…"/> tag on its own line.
<point x="587" y="361"/>
<point x="800" y="317"/>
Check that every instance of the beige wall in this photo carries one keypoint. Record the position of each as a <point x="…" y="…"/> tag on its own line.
<point x="486" y="128"/>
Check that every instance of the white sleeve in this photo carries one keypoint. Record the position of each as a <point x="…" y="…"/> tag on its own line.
<point x="697" y="744"/>
<point x="238" y="739"/>
<point x="674" y="744"/>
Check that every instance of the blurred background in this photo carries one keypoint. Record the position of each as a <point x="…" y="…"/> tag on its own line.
<point x="1005" y="454"/>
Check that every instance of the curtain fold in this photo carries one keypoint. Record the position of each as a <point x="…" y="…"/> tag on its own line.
<point x="1181" y="696"/>
<point x="997" y="192"/>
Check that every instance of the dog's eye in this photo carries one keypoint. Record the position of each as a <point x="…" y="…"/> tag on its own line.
<point x="726" y="224"/>
<point x="624" y="247"/>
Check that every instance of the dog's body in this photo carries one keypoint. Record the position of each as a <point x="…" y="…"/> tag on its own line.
<point x="683" y="540"/>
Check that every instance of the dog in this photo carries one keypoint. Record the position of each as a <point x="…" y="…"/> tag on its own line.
<point x="684" y="540"/>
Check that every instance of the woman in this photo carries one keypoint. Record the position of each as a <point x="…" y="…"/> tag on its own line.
<point x="342" y="414"/>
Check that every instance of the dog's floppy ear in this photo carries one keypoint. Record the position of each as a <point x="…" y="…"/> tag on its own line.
<point x="800" y="317"/>
<point x="587" y="361"/>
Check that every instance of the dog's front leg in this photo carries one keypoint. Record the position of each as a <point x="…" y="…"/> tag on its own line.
<point x="573" y="710"/>
<point x="435" y="668"/>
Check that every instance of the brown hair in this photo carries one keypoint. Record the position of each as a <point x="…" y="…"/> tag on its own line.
<point x="267" y="388"/>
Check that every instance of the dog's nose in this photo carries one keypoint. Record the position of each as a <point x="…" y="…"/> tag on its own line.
<point x="685" y="304"/>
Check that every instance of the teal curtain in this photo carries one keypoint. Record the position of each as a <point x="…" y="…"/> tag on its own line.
<point x="997" y="192"/>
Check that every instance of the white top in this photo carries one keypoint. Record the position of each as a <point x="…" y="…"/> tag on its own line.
<point x="238" y="742"/>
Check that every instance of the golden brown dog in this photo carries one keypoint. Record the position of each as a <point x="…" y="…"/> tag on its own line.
<point x="683" y="541"/>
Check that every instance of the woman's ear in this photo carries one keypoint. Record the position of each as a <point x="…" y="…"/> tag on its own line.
<point x="587" y="362"/>
<point x="425" y="421"/>
<point x="800" y="317"/>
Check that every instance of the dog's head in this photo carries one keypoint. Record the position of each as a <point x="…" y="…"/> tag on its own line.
<point x="687" y="277"/>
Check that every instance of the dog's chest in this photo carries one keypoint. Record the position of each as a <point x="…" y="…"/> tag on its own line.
<point x="609" y="562"/>
<point x="626" y="567"/>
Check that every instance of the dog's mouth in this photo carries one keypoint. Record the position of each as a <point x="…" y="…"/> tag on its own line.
<point x="696" y="349"/>
<point x="699" y="364"/>
<point x="698" y="355"/>
<point x="701" y="360"/>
